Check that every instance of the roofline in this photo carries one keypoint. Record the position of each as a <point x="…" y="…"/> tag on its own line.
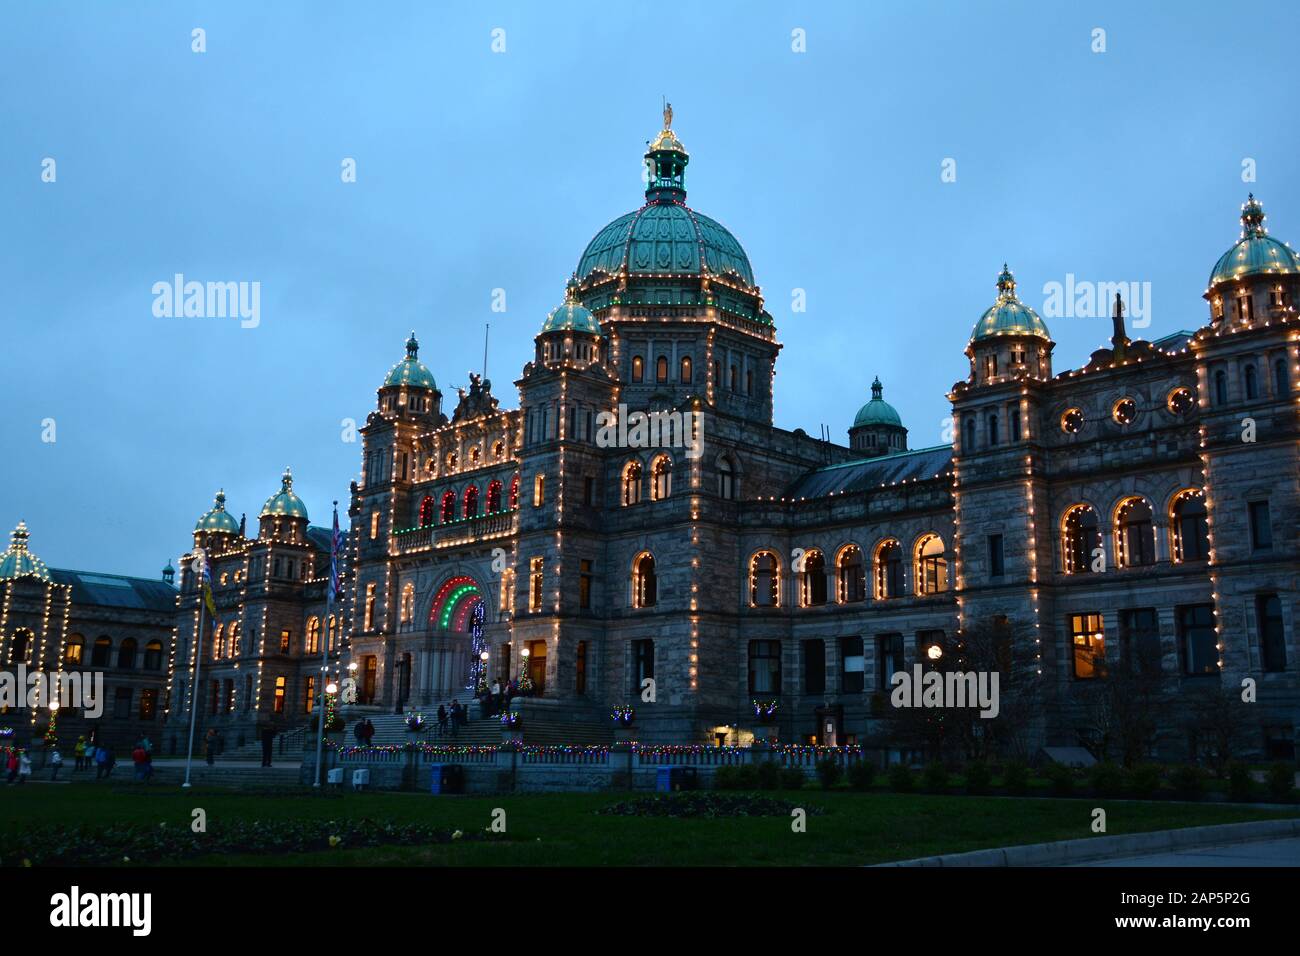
<point x="897" y="454"/>
<point x="120" y="577"/>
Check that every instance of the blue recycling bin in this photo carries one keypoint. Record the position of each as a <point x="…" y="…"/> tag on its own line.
<point x="672" y="779"/>
<point x="446" y="778"/>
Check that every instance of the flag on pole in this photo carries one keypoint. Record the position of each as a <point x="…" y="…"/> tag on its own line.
<point x="205" y="581"/>
<point x="336" y="545"/>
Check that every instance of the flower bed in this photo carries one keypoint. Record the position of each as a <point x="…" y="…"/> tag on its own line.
<point x="705" y="803"/>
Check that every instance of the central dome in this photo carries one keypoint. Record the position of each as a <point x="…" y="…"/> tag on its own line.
<point x="667" y="254"/>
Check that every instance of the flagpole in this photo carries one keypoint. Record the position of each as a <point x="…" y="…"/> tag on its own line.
<point x="194" y="683"/>
<point x="324" y="656"/>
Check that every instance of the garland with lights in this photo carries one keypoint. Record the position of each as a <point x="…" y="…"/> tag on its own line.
<point x="415" y="723"/>
<point x="624" y="714"/>
<point x="766" y="709"/>
<point x="510" y="719"/>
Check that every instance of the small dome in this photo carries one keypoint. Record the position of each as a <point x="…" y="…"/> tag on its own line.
<point x="411" y="371"/>
<point x="877" y="411"/>
<point x="286" y="503"/>
<point x="18" y="562"/>
<point x="572" y="316"/>
<point x="218" y="519"/>
<point x="1256" y="252"/>
<point x="1008" y="315"/>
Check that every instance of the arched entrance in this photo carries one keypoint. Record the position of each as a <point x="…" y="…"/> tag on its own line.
<point x="458" y="617"/>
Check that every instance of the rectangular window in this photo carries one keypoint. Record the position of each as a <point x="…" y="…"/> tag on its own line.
<point x="148" y="703"/>
<point x="765" y="667"/>
<point x="889" y="659"/>
<point x="814" y="667"/>
<point x="535" y="578"/>
<point x="588" y="490"/>
<point x="1261" y="529"/>
<point x="122" y="702"/>
<point x="1013" y="419"/>
<point x="1272" y="639"/>
<point x="1087" y="644"/>
<point x="1139" y="639"/>
<point x="643" y="663"/>
<point x="1197" y="639"/>
<point x="280" y="689"/>
<point x="853" y="666"/>
<point x="997" y="567"/>
<point x="285" y="638"/>
<point x="539" y="491"/>
<point x="374" y="525"/>
<point x="309" y="694"/>
<point x="584" y="584"/>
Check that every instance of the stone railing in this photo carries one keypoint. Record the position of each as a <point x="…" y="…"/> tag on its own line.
<point x="484" y="527"/>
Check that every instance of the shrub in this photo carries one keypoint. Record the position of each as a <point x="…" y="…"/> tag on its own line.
<point x="1281" y="780"/>
<point x="1144" y="780"/>
<point x="1015" y="777"/>
<point x="1189" y="782"/>
<point x="829" y="772"/>
<point x="792" y="778"/>
<point x="935" y="776"/>
<point x="978" y="776"/>
<point x="1061" y="779"/>
<point x="769" y="775"/>
<point x="862" y="774"/>
<point x="724" y="778"/>
<point x="900" y="778"/>
<point x="1107" y="779"/>
<point x="747" y="777"/>
<point x="1240" y="786"/>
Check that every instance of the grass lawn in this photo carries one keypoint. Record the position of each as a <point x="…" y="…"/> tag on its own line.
<point x="564" y="830"/>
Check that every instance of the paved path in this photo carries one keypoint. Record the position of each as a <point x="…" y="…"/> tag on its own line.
<point x="1255" y="853"/>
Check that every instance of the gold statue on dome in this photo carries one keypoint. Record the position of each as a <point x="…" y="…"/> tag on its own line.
<point x="668" y="115"/>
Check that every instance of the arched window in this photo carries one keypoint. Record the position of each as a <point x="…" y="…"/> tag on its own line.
<point x="993" y="428"/>
<point x="514" y="492"/>
<point x="333" y="631"/>
<point x="1189" y="528"/>
<point x="232" y="639"/>
<point x="661" y="369"/>
<point x="426" y="511"/>
<point x="812" y="581"/>
<point x="313" y="635"/>
<point x="764" y="580"/>
<point x="218" y="641"/>
<point x="685" y="374"/>
<point x="644" y="584"/>
<point x="1135" y="542"/>
<point x="407" y="608"/>
<point x="851" y="576"/>
<point x="931" y="565"/>
<point x="638" y="368"/>
<point x="661" y="478"/>
<point x="968" y="443"/>
<point x="448" y="510"/>
<point x="1221" y="387"/>
<point x="102" y="653"/>
<point x="1080" y="537"/>
<point x="20" y="646"/>
<point x="1252" y="381"/>
<point x="369" y="619"/>
<point x="494" y="497"/>
<point x="153" y="656"/>
<point x="726" y="480"/>
<point x="126" y="653"/>
<point x="1281" y="380"/>
<point x="631" y="483"/>
<point x="471" y="502"/>
<point x="74" y="650"/>
<point x="889" y="570"/>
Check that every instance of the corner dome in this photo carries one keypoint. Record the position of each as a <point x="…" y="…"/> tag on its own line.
<point x="218" y="519"/>
<point x="18" y="562"/>
<point x="1008" y="315"/>
<point x="285" y="504"/>
<point x="877" y="411"/>
<point x="410" y="371"/>
<point x="1256" y="252"/>
<point x="572" y="316"/>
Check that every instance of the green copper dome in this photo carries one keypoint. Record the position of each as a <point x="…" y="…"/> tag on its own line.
<point x="218" y="519"/>
<point x="666" y="238"/>
<point x="1256" y="252"/>
<point x="18" y="562"/>
<point x="286" y="503"/>
<point x="1008" y="315"/>
<point x="411" y="371"/>
<point x="877" y="411"/>
<point x="572" y="316"/>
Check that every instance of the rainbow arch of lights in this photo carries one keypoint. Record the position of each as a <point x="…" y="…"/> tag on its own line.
<point x="454" y="602"/>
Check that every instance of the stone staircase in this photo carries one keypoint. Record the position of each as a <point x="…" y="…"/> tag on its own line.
<point x="545" y="723"/>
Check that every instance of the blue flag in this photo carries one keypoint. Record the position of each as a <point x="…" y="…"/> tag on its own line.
<point x="336" y="545"/>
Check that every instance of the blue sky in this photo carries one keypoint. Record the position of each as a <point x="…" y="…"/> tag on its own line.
<point x="479" y="170"/>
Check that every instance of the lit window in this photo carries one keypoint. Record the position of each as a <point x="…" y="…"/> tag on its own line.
<point x="645" y="589"/>
<point x="1135" y="542"/>
<point x="1080" y="538"/>
<point x="851" y="576"/>
<point x="661" y="478"/>
<point x="631" y="483"/>
<point x="374" y="525"/>
<point x="1124" y="412"/>
<point x="369" y="619"/>
<point x="1088" y="645"/>
<point x="539" y="490"/>
<point x="536" y="576"/>
<point x="812" y="579"/>
<point x="1072" y="421"/>
<point x="764" y="580"/>
<point x="931" y="565"/>
<point x="1180" y="401"/>
<point x="889" y="570"/>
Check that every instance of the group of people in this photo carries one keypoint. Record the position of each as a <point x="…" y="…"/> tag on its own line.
<point x="498" y="697"/>
<point x="87" y="753"/>
<point x="450" y="720"/>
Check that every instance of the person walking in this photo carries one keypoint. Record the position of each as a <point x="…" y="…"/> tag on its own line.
<point x="442" y="721"/>
<point x="11" y="765"/>
<point x="268" y="744"/>
<point x="56" y="763"/>
<point x="24" y="766"/>
<point x="79" y="752"/>
<point x="143" y="765"/>
<point x="210" y="745"/>
<point x="103" y="761"/>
